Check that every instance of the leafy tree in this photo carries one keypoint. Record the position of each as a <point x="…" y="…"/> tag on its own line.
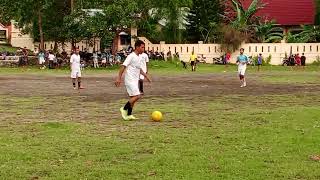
<point x="268" y="32"/>
<point x="317" y="17"/>
<point x="174" y="12"/>
<point x="203" y="20"/>
<point x="244" y="17"/>
<point x="309" y="34"/>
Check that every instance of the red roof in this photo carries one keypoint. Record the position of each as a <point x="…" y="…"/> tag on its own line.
<point x="287" y="12"/>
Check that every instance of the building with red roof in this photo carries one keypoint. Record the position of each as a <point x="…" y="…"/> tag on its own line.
<point x="287" y="13"/>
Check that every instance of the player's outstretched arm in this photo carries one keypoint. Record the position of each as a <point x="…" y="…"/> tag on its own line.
<point x="145" y="75"/>
<point x="118" y="80"/>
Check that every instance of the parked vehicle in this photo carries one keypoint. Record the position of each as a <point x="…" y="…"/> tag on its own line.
<point x="218" y="60"/>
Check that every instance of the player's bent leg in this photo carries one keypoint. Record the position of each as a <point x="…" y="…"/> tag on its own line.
<point x="79" y="83"/>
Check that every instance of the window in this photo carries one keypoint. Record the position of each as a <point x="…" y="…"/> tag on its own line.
<point x="249" y="48"/>
<point x="275" y="49"/>
<point x="256" y="49"/>
<point x="262" y="49"/>
<point x="310" y="48"/>
<point x="125" y="40"/>
<point x="304" y="48"/>
<point x="193" y="49"/>
<point x="297" y="48"/>
<point x="215" y="49"/>
<point x="209" y="49"/>
<point x="187" y="49"/>
<point x="3" y="35"/>
<point x="175" y="49"/>
<point x="181" y="49"/>
<point x="268" y="48"/>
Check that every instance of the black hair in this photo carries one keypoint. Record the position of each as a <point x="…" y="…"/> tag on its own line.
<point x="138" y="43"/>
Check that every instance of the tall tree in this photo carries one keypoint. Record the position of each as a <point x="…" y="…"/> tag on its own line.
<point x="203" y="20"/>
<point x="25" y="13"/>
<point x="174" y="12"/>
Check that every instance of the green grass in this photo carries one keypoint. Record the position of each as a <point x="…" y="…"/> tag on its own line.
<point x="165" y="68"/>
<point x="267" y="137"/>
<point x="248" y="143"/>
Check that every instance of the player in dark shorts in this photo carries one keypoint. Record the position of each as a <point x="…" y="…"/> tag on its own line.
<point x="193" y="59"/>
<point x="303" y="60"/>
<point x="260" y="59"/>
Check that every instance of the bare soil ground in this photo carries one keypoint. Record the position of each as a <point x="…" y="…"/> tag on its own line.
<point x="103" y="89"/>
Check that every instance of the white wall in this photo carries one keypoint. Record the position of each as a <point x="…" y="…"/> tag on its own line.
<point x="276" y="50"/>
<point x="82" y="46"/>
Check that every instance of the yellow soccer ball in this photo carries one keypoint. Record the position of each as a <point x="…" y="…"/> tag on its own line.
<point x="156" y="116"/>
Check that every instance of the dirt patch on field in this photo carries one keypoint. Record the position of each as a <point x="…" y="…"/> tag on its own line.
<point x="103" y="89"/>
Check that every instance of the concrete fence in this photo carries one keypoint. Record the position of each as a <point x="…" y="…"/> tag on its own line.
<point x="210" y="51"/>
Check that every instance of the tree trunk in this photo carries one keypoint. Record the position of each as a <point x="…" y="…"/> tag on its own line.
<point x="72" y="5"/>
<point x="40" y="29"/>
<point x="94" y="44"/>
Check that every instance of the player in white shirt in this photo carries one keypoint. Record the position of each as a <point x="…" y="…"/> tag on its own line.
<point x="75" y="69"/>
<point x="132" y="68"/>
<point x="51" y="59"/>
<point x="144" y="66"/>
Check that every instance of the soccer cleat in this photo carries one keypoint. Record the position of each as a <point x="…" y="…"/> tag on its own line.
<point x="124" y="113"/>
<point x="244" y="84"/>
<point x="74" y="88"/>
<point x="81" y="87"/>
<point x="131" y="117"/>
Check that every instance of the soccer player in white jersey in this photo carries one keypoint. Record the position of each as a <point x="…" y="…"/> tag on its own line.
<point x="75" y="69"/>
<point x="144" y="66"/>
<point x="242" y="62"/>
<point x="132" y="69"/>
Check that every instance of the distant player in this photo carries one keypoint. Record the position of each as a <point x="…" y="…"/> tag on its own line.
<point x="242" y="61"/>
<point x="75" y="69"/>
<point x="193" y="59"/>
<point x="144" y="66"/>
<point x="259" y="61"/>
<point x="303" y="60"/>
<point x="132" y="69"/>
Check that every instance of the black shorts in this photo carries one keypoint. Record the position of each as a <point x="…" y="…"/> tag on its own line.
<point x="192" y="63"/>
<point x="141" y="86"/>
<point x="303" y="63"/>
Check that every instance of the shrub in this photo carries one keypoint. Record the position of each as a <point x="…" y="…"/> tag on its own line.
<point x="265" y="60"/>
<point x="316" y="62"/>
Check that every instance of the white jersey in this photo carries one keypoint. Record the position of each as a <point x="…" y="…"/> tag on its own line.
<point x="51" y="57"/>
<point x="144" y="60"/>
<point x="133" y="64"/>
<point x="75" y="62"/>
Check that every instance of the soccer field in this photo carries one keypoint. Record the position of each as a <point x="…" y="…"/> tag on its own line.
<point x="212" y="128"/>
